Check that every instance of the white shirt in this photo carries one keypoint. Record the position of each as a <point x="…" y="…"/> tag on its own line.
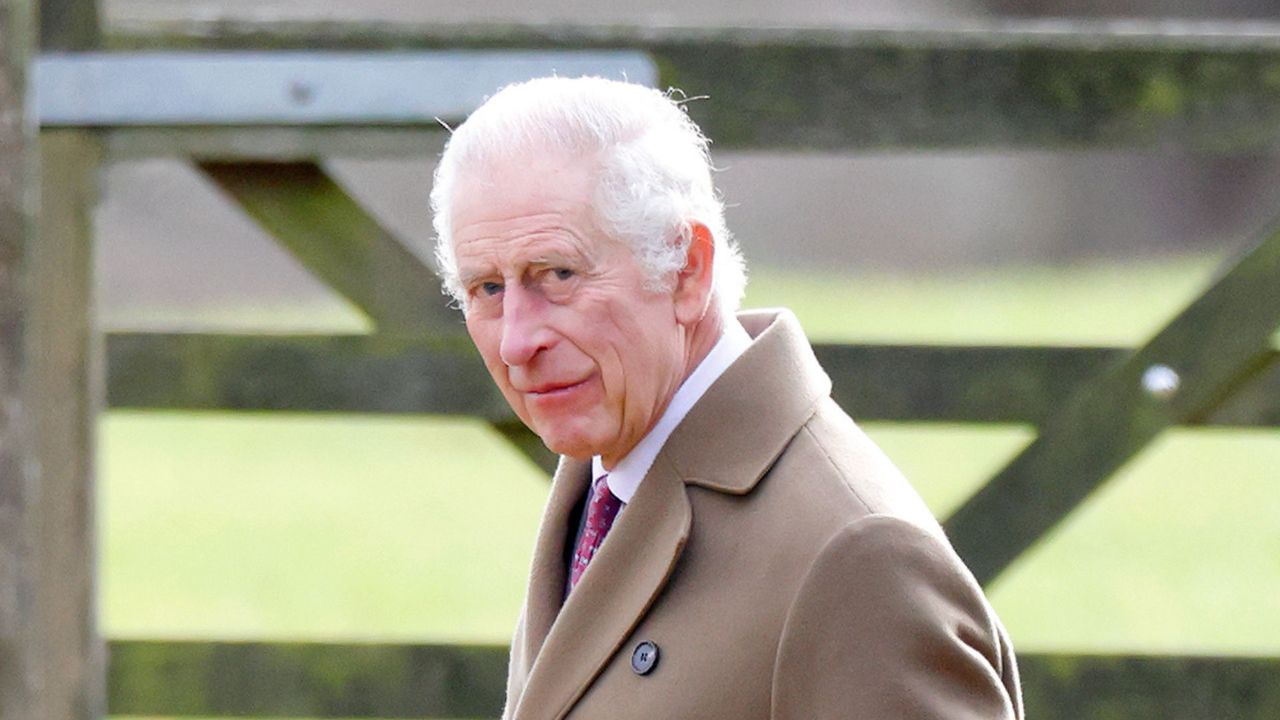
<point x="631" y="469"/>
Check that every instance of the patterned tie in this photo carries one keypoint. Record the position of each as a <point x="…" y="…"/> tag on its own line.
<point x="601" y="511"/>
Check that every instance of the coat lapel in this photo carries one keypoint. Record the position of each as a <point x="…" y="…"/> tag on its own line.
<point x="721" y="445"/>
<point x="737" y="429"/>
<point x="548" y="573"/>
<point x="624" y="579"/>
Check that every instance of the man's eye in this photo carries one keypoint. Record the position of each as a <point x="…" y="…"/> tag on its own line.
<point x="490" y="288"/>
<point x="562" y="273"/>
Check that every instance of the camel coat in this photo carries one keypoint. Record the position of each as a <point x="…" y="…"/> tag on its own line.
<point x="780" y="564"/>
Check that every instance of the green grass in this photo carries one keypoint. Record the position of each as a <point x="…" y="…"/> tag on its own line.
<point x="417" y="528"/>
<point x="312" y="526"/>
<point x="1179" y="552"/>
<point x="1087" y="304"/>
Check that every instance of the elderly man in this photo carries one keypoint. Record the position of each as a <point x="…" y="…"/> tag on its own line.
<point x="721" y="540"/>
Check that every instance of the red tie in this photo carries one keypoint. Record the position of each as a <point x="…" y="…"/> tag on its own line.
<point x="601" y="511"/>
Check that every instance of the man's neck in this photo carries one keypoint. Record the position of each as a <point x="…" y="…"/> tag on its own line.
<point x="702" y="337"/>
<point x="626" y="473"/>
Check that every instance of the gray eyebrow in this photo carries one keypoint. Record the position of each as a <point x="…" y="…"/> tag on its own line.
<point x="577" y="260"/>
<point x="465" y="279"/>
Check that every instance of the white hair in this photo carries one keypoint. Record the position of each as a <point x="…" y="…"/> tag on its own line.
<point x="654" y="176"/>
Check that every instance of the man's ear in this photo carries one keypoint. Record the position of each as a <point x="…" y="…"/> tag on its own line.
<point x="694" y="282"/>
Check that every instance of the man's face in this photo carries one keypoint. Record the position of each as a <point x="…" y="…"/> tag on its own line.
<point x="586" y="356"/>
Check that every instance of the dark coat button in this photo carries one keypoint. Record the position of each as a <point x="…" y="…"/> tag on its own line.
<point x="644" y="658"/>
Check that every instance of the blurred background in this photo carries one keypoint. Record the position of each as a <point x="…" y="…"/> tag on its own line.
<point x="346" y="527"/>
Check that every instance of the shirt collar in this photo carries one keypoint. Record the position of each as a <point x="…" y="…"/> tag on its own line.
<point x="626" y="476"/>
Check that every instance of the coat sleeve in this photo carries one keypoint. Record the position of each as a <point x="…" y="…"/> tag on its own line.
<point x="889" y="623"/>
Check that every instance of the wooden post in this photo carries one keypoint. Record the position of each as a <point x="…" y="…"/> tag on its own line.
<point x="19" y="665"/>
<point x="51" y="658"/>
<point x="20" y="660"/>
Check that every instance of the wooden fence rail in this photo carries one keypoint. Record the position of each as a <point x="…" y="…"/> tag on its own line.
<point x="1208" y="86"/>
<point x="375" y="374"/>
<point x="454" y="681"/>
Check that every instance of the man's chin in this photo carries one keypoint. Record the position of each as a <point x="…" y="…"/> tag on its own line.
<point x="568" y="444"/>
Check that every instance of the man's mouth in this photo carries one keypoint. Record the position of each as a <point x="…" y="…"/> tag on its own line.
<point x="556" y="388"/>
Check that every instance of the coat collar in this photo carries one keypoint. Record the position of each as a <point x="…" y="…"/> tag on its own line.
<point x="722" y="445"/>
<point x="752" y="411"/>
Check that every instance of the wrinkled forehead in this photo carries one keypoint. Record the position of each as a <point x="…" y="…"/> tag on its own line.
<point x="523" y="184"/>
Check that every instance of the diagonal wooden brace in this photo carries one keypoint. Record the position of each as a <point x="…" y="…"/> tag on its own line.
<point x="332" y="235"/>
<point x="1184" y="373"/>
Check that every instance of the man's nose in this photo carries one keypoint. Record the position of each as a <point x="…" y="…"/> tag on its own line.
<point x="524" y="331"/>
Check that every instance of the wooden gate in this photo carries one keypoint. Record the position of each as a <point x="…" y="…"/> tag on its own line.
<point x="1019" y="85"/>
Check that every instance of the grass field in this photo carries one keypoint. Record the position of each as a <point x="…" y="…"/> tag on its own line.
<point x="417" y="528"/>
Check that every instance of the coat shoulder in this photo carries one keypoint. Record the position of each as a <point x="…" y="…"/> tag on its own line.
<point x="832" y="464"/>
<point x="887" y="607"/>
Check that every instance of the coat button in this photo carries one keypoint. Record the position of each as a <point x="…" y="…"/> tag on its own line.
<point x="644" y="658"/>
